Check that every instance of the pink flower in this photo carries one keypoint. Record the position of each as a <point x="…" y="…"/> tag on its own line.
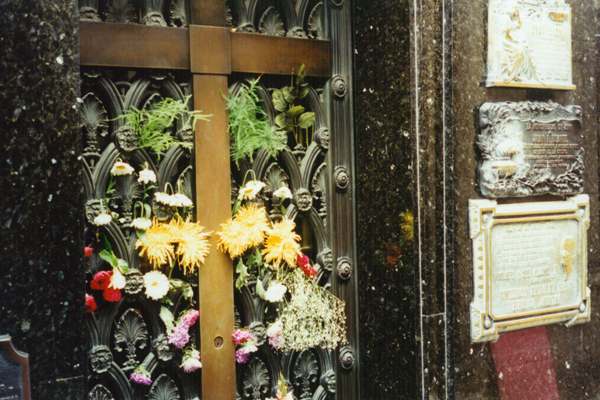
<point x="140" y="376"/>
<point x="241" y="336"/>
<point x="242" y="355"/>
<point x="191" y="361"/>
<point x="190" y="318"/>
<point x="275" y="335"/>
<point x="180" y="336"/>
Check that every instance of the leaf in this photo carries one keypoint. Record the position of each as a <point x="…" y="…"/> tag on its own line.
<point x="281" y="121"/>
<point x="260" y="289"/>
<point x="288" y="94"/>
<point x="307" y="120"/>
<point x="187" y="292"/>
<point x="122" y="265"/>
<point x="295" y="111"/>
<point x="109" y="257"/>
<point x="242" y="271"/>
<point x="167" y="318"/>
<point x="278" y="100"/>
<point x="304" y="91"/>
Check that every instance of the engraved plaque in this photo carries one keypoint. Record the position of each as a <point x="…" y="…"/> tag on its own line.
<point x="530" y="148"/>
<point x="529" y="265"/>
<point x="529" y="44"/>
<point x="14" y="372"/>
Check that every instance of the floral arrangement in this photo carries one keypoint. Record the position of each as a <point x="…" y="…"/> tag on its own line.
<point x="268" y="257"/>
<point x="170" y="246"/>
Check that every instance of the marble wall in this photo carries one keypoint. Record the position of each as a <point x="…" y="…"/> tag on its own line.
<point x="388" y="347"/>
<point x="568" y="354"/>
<point x="41" y="274"/>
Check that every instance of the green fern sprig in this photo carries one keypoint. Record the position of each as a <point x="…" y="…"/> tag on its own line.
<point x="154" y="124"/>
<point x="249" y="125"/>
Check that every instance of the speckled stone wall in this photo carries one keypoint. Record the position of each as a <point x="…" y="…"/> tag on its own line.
<point x="41" y="279"/>
<point x="575" y="351"/>
<point x="384" y="200"/>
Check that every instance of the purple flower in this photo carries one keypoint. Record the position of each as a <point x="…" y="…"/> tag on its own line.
<point x="190" y="318"/>
<point x="242" y="355"/>
<point x="180" y="336"/>
<point x="141" y="377"/>
<point x="241" y="336"/>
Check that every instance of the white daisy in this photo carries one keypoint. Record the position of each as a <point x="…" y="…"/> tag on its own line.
<point x="181" y="200"/>
<point x="283" y="193"/>
<point x="163" y="198"/>
<point x="121" y="168"/>
<point x="156" y="284"/>
<point x="102" y="219"/>
<point x="250" y="190"/>
<point x="147" y="176"/>
<point x="141" y="224"/>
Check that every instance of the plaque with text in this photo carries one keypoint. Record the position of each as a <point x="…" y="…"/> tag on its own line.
<point x="529" y="265"/>
<point x="14" y="372"/>
<point x="529" y="44"/>
<point x="530" y="148"/>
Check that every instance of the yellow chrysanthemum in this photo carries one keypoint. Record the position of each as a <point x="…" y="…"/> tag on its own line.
<point x="282" y="244"/>
<point x="254" y="219"/>
<point x="156" y="245"/>
<point x="245" y="231"/>
<point x="407" y="225"/>
<point x="193" y="246"/>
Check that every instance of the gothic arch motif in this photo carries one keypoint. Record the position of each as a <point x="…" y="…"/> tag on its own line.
<point x="291" y="18"/>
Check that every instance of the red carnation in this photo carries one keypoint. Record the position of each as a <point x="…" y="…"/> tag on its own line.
<point x="101" y="280"/>
<point x="88" y="251"/>
<point x="302" y="260"/>
<point x="112" y="295"/>
<point x="90" y="303"/>
<point x="309" y="271"/>
<point x="304" y="263"/>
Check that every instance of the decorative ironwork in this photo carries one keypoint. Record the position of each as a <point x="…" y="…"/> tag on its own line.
<point x="148" y="12"/>
<point x="129" y="333"/>
<point x="299" y="19"/>
<point x="347" y="357"/>
<point x="344" y="268"/>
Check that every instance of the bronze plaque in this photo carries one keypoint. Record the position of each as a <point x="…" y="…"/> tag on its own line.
<point x="530" y="148"/>
<point x="14" y="372"/>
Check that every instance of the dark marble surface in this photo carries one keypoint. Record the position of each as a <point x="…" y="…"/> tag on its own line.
<point x="387" y="297"/>
<point x="41" y="278"/>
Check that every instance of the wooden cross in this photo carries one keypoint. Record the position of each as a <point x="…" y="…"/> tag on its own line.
<point x="212" y="52"/>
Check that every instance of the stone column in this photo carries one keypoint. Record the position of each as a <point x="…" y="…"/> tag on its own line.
<point x="41" y="274"/>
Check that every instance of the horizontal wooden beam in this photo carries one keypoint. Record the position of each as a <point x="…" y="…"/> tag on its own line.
<point x="139" y="46"/>
<point x="134" y="46"/>
<point x="261" y="54"/>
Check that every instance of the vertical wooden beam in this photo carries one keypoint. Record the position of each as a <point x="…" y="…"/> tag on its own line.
<point x="208" y="12"/>
<point x="213" y="204"/>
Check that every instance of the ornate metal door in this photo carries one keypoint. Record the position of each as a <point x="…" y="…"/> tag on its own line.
<point x="131" y="59"/>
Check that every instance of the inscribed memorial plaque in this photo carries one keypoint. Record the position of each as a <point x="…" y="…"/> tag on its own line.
<point x="530" y="148"/>
<point x="529" y="44"/>
<point x="529" y="265"/>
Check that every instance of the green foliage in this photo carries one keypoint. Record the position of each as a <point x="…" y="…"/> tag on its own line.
<point x="249" y="126"/>
<point x="293" y="117"/>
<point x="153" y="125"/>
<point x="115" y="262"/>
